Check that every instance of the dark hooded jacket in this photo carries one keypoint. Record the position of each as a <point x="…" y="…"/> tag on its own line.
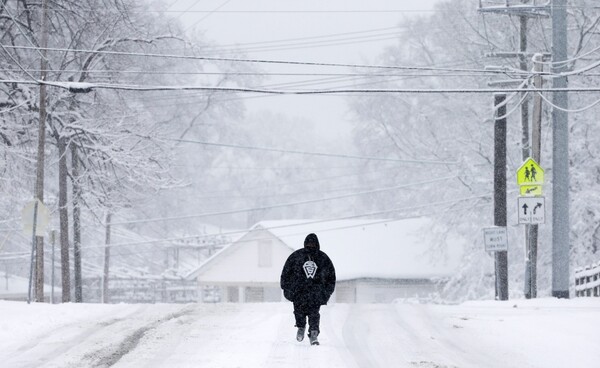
<point x="308" y="275"/>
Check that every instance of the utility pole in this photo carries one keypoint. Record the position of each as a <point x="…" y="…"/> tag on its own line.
<point x="105" y="297"/>
<point x="501" y="259"/>
<point x="525" y="104"/>
<point x="525" y="146"/>
<point x="536" y="133"/>
<point x="560" y="155"/>
<point x="39" y="177"/>
<point x="524" y="10"/>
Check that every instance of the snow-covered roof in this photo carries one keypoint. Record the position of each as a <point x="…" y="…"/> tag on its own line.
<point x="391" y="249"/>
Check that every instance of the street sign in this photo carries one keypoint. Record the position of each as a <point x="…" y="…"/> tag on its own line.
<point x="531" y="190"/>
<point x="43" y="218"/>
<point x="530" y="173"/>
<point x="531" y="210"/>
<point x="495" y="239"/>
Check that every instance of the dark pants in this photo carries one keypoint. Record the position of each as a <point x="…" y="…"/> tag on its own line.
<point x="303" y="310"/>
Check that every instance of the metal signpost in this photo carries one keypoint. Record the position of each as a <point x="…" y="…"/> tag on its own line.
<point x="35" y="217"/>
<point x="531" y="210"/>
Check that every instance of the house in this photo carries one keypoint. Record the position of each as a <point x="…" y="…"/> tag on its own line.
<point x="375" y="260"/>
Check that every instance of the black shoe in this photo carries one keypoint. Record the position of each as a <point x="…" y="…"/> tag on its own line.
<point x="300" y="334"/>
<point x="313" y="337"/>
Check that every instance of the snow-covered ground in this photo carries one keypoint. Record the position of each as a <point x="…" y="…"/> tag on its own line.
<point x="541" y="333"/>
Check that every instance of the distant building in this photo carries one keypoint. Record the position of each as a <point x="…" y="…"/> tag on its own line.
<point x="376" y="261"/>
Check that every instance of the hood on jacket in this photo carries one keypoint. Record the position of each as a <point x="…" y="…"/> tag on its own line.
<point x="312" y="239"/>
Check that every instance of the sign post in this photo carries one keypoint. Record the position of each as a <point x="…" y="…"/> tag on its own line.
<point x="35" y="217"/>
<point x="531" y="211"/>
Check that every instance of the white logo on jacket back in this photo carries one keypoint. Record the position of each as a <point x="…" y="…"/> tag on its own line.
<point x="310" y="269"/>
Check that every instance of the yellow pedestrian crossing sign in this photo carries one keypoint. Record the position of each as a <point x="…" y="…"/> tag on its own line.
<point x="530" y="173"/>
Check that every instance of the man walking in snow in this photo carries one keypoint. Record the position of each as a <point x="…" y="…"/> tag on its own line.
<point x="308" y="280"/>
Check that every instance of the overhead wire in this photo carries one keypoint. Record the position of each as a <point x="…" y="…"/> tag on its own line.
<point x="280" y="205"/>
<point x="366" y="223"/>
<point x="268" y="61"/>
<point x="324" y="154"/>
<point x="288" y="40"/>
<point x="311" y="222"/>
<point x="585" y="108"/>
<point x="207" y="15"/>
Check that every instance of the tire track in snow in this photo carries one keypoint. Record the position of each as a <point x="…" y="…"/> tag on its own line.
<point x="354" y="327"/>
<point x="49" y="345"/>
<point x="109" y="356"/>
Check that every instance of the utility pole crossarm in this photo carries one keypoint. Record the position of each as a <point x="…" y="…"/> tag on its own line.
<point x="519" y="9"/>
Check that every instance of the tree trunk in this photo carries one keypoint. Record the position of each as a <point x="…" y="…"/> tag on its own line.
<point x="76" y="224"/>
<point x="64" y="219"/>
<point x="106" y="274"/>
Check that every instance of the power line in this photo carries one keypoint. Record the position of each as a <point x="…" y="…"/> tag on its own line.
<point x="266" y="61"/>
<point x="331" y="35"/>
<point x="280" y="205"/>
<point x="335" y="155"/>
<point x="75" y="87"/>
<point x="372" y="222"/>
<point x="304" y="45"/>
<point x="207" y="15"/>
<point x="593" y="104"/>
<point x="268" y="74"/>
<point x="299" y="11"/>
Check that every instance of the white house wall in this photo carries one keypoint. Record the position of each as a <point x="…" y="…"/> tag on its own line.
<point x="239" y="265"/>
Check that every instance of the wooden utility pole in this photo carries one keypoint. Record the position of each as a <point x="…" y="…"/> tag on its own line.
<point x="500" y="191"/>
<point x="524" y="10"/>
<point x="39" y="178"/>
<point x="105" y="275"/>
<point x="525" y="104"/>
<point x="525" y="145"/>
<point x="536" y="133"/>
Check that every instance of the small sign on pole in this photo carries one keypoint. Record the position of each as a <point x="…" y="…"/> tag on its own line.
<point x="495" y="239"/>
<point x="42" y="218"/>
<point x="531" y="190"/>
<point x="531" y="210"/>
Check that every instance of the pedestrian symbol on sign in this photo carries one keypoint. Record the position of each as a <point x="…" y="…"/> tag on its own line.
<point x="530" y="173"/>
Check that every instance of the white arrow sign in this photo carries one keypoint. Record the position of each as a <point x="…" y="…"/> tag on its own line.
<point x="531" y="210"/>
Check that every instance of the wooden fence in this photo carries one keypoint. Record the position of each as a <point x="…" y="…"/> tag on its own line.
<point x="587" y="280"/>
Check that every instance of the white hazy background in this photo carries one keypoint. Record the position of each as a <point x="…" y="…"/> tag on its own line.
<point x="294" y="31"/>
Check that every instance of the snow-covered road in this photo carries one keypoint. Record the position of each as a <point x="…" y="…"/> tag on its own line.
<point x="544" y="333"/>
